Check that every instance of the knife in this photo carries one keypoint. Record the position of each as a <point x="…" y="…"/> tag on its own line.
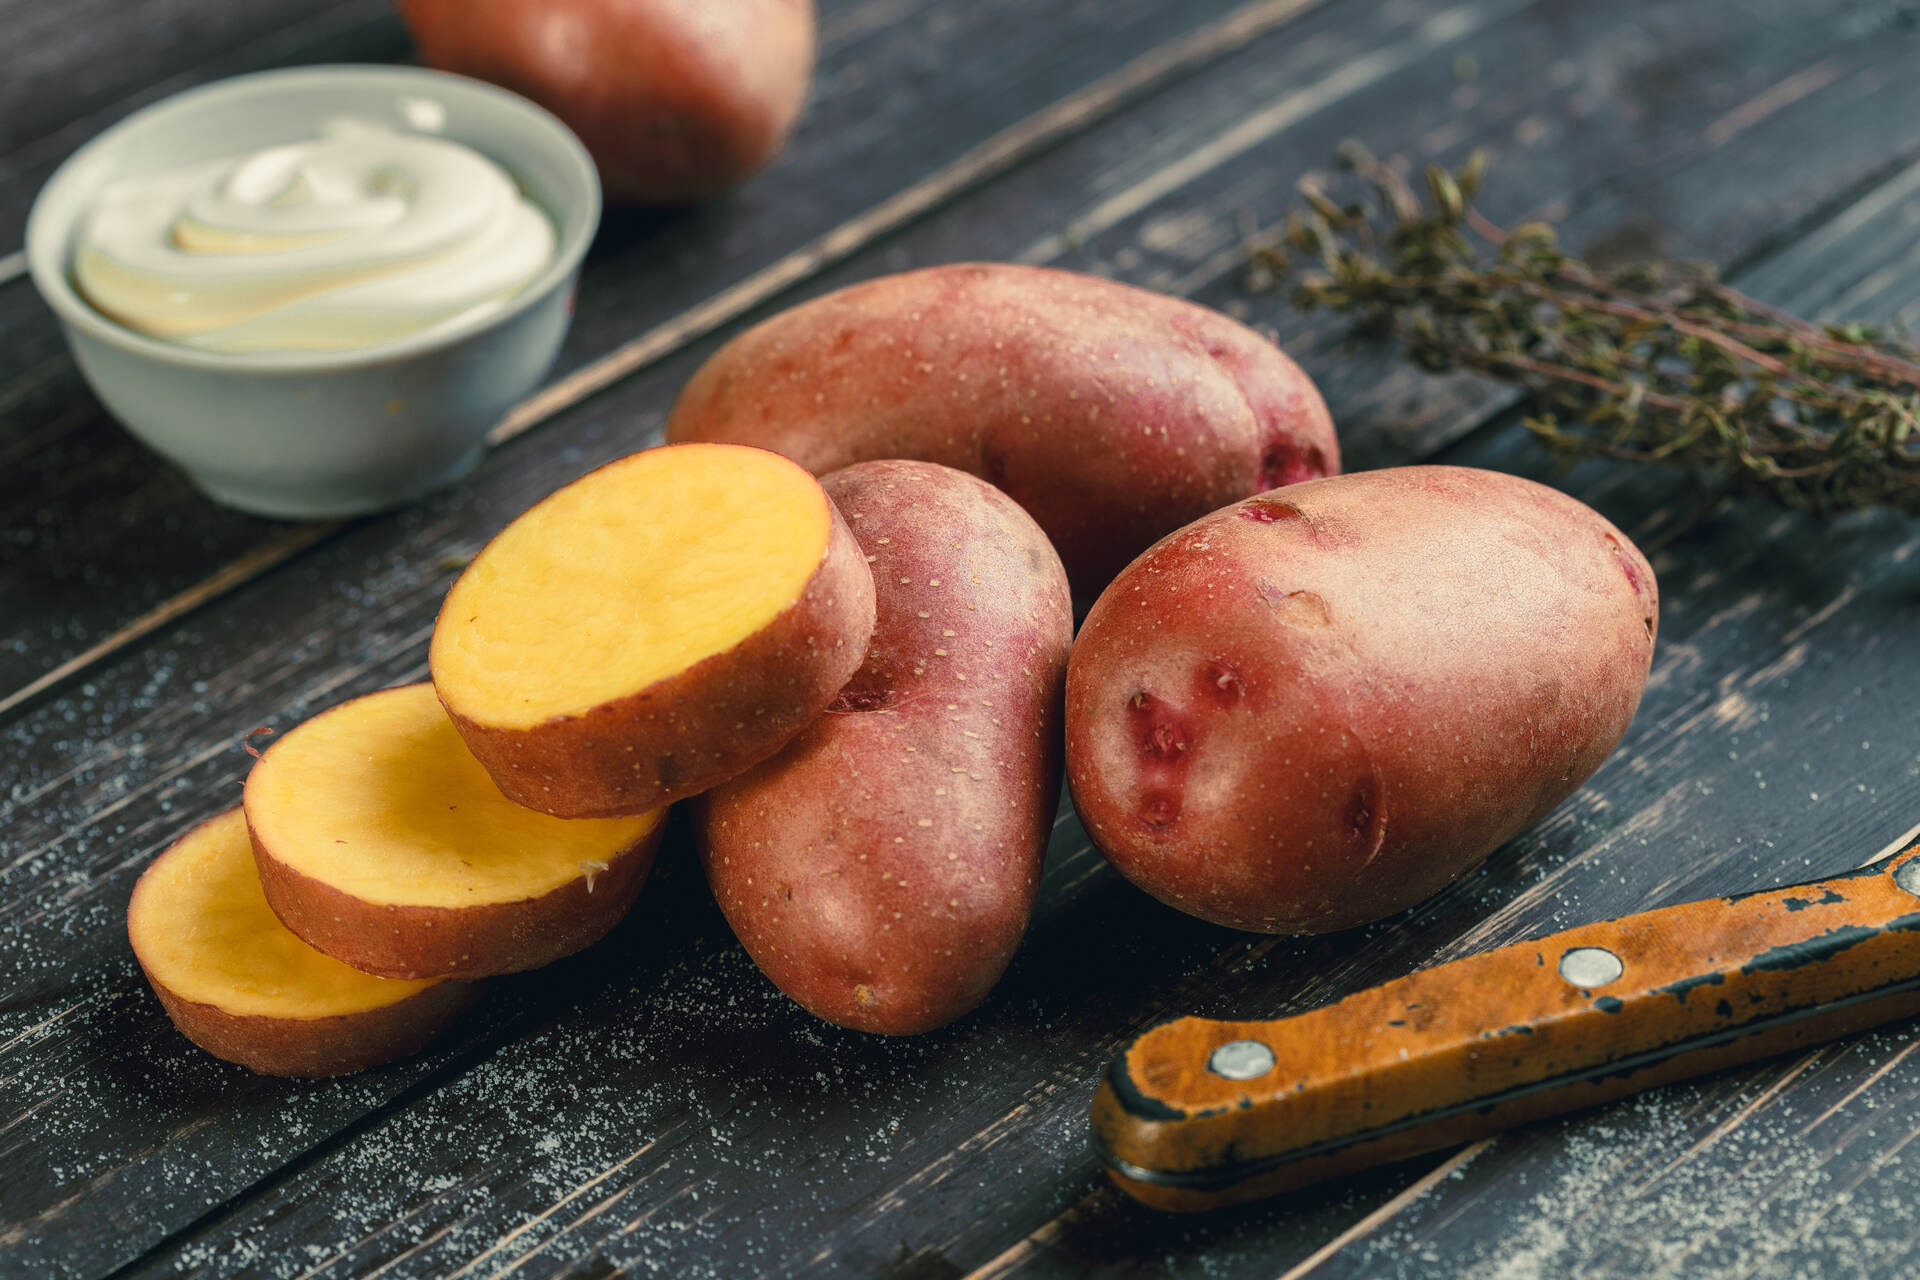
<point x="1198" y="1113"/>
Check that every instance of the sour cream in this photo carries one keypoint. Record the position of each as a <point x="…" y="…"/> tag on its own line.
<point x="359" y="237"/>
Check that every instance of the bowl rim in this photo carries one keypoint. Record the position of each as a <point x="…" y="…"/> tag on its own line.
<point x="47" y="240"/>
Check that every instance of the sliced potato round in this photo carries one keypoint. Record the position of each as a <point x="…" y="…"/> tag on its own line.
<point x="241" y="986"/>
<point x="381" y="841"/>
<point x="657" y="626"/>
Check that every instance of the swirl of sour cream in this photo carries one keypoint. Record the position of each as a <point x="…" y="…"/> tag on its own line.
<point x="362" y="236"/>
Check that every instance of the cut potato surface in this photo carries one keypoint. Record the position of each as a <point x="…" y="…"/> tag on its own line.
<point x="629" y="576"/>
<point x="241" y="986"/>
<point x="656" y="627"/>
<point x="382" y="842"/>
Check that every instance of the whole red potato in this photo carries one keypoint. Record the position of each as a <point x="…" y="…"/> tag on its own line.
<point x="881" y="868"/>
<point x="678" y="100"/>
<point x="1316" y="707"/>
<point x="1114" y="415"/>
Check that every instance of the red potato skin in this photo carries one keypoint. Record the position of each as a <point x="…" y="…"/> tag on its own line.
<point x="718" y="718"/>
<point x="311" y="1047"/>
<point x="1317" y="707"/>
<point x="1112" y="414"/>
<point x="677" y="100"/>
<point x="392" y="941"/>
<point x="882" y="868"/>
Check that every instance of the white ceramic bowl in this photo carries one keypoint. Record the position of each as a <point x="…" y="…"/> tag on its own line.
<point x="322" y="434"/>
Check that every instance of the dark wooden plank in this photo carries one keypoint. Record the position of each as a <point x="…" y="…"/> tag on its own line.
<point x="1792" y="1169"/>
<point x="689" y="1052"/>
<point x="896" y="124"/>
<point x="68" y="61"/>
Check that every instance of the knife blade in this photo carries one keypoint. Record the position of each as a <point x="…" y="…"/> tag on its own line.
<point x="1198" y="1113"/>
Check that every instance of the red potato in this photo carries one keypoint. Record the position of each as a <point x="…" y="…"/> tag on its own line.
<point x="677" y="100"/>
<point x="1113" y="415"/>
<point x="1317" y="707"/>
<point x="881" y="868"/>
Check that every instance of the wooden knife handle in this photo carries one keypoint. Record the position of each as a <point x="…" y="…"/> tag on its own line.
<point x="1198" y="1113"/>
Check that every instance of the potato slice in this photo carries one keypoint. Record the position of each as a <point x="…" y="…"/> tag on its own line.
<point x="657" y="626"/>
<point x="242" y="987"/>
<point x="382" y="842"/>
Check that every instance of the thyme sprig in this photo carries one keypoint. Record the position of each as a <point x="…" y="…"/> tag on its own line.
<point x="1659" y="363"/>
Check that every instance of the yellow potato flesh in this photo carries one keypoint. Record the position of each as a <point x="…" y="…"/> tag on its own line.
<point x="381" y="799"/>
<point x="203" y="930"/>
<point x="629" y="575"/>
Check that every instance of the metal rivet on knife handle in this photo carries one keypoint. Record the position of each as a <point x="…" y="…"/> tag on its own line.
<point x="1591" y="967"/>
<point x="1241" y="1060"/>
<point x="1907" y="876"/>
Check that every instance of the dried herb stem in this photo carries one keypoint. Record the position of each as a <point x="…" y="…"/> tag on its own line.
<point x="1659" y="363"/>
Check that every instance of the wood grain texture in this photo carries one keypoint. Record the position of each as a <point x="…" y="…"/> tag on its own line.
<point x="67" y="63"/>
<point x="653" y="1104"/>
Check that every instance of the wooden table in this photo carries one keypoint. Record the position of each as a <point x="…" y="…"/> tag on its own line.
<point x="653" y="1106"/>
